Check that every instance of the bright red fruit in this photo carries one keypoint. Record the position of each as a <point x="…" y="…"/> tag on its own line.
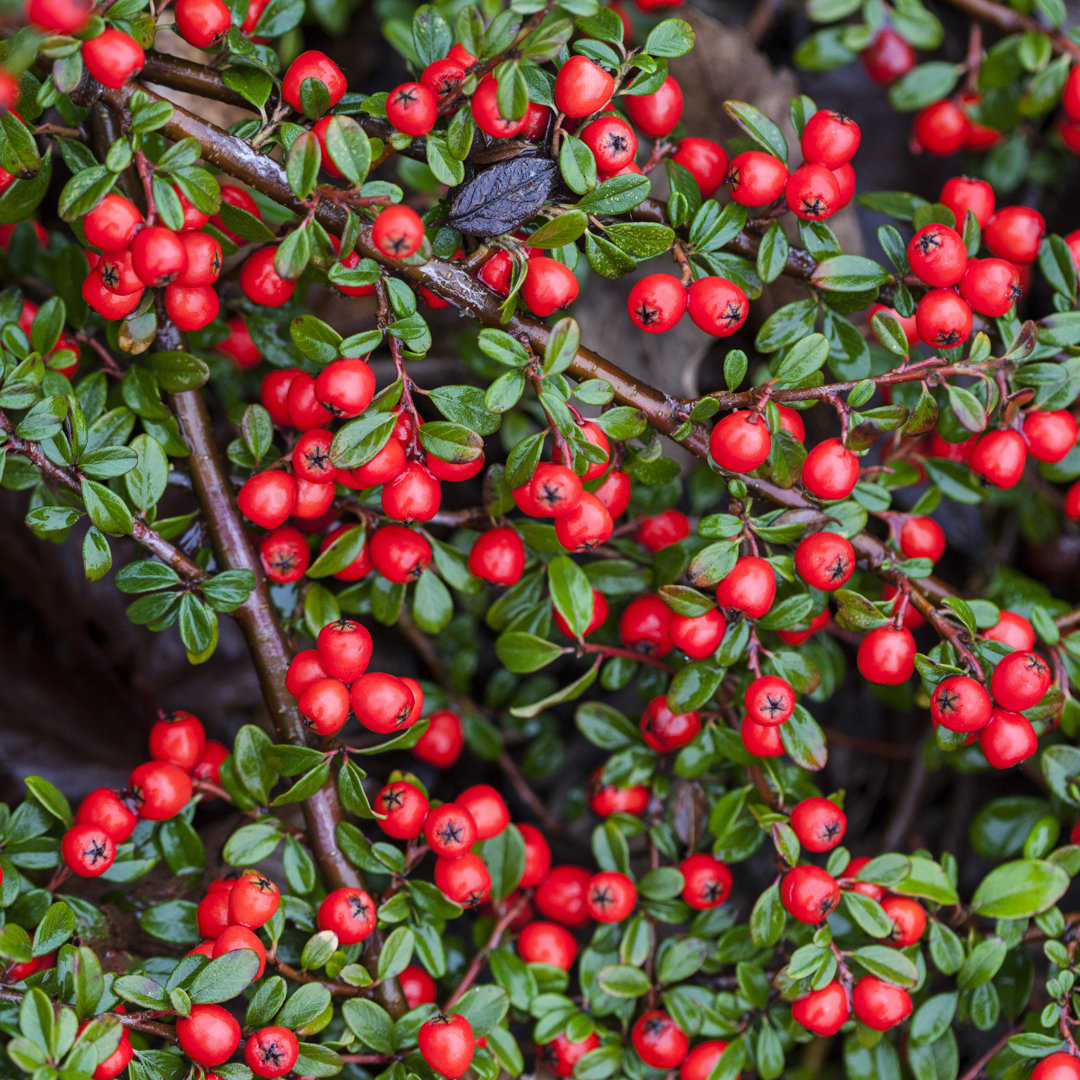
<point x="887" y="655"/>
<point x="208" y="1035"/>
<point x="412" y="108"/>
<point x="159" y="789"/>
<point x="645" y="626"/>
<point x="698" y="636"/>
<point x="665" y="730"/>
<point x="991" y="286"/>
<point x="740" y="441"/>
<point x="610" y="896"/>
<point x="547" y="943"/>
<point x="1059" y="1065"/>
<point x="707" y="162"/>
<point x="398" y="232"/>
<point x="706" y="881"/>
<point x="549" y="285"/>
<point x="447" y="1044"/>
<point x="113" y="57"/>
<point x="999" y="457"/>
<point x="104" y="807"/>
<point x="823" y="1012"/>
<point x="922" y="538"/>
<point x="830" y="471"/>
<point x="178" y="737"/>
<point x="749" y="587"/>
<point x="809" y="893"/>
<point x="937" y="254"/>
<point x="582" y="87"/>
<point x="818" y="823"/>
<point x="271" y="1051"/>
<point x="1014" y="233"/>
<point x="886" y="58"/>
<point x="313" y="65"/>
<point x="769" y="700"/>
<point x="267" y="498"/>
<point x="959" y="703"/>
<point x="112" y="224"/>
<point x="1020" y="680"/>
<point x="262" y="284"/>
<point x="941" y="128"/>
<point x="755" y="178"/>
<point x="1008" y="739"/>
<point x="1050" y="435"/>
<point x="349" y="913"/>
<point x="657" y="113"/>
<point x="880" y="1005"/>
<point x="717" y="306"/>
<point x="88" y="850"/>
<point x="202" y="23"/>
<point x="659" y="1041"/>
<point x="825" y="560"/>
<point x="561" y="895"/>
<point x="442" y="743"/>
<point x="830" y="138"/>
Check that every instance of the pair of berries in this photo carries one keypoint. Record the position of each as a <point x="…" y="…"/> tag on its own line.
<point x="658" y="301"/>
<point x="249" y="901"/>
<point x="878" y="1004"/>
<point x="945" y="127"/>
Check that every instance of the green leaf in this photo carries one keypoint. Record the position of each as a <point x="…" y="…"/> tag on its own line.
<point x="1020" y="889"/>
<point x="623" y="981"/>
<point x="523" y="652"/>
<point x="759" y="127"/>
<point x="672" y="37"/>
<point x="887" y="963"/>
<point x="370" y="1023"/>
<point x="57" y="925"/>
<point x="225" y="977"/>
<point x="51" y="798"/>
<point x="106" y="509"/>
<point x="849" y="274"/>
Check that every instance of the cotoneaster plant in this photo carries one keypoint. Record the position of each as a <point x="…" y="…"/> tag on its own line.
<point x="545" y="782"/>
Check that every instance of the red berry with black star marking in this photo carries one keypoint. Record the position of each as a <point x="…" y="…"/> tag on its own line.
<point x="398" y="232"/>
<point x="740" y="442"/>
<point x="769" y="700"/>
<point x="399" y="554"/>
<point x="1020" y="680"/>
<point x="937" y="254"/>
<point x="159" y="789"/>
<point x="755" y="178"/>
<point x="464" y="879"/>
<point x="657" y="302"/>
<point x="582" y="87"/>
<point x="809" y="893"/>
<point x="178" y="737"/>
<point x="271" y="1051"/>
<point x="825" y="560"/>
<point x="450" y="830"/>
<point x="612" y="141"/>
<point x="812" y="193"/>
<point x="88" y="850"/>
<point x="382" y="703"/>
<point x="610" y="896"/>
<point x="345" y="387"/>
<point x="960" y="703"/>
<point x="706" y="881"/>
<point x="818" y="823"/>
<point x="830" y="138"/>
<point x="412" y="108"/>
<point x="717" y="306"/>
<point x="349" y="913"/>
<point x="659" y="1041"/>
<point x="253" y="900"/>
<point x="405" y="808"/>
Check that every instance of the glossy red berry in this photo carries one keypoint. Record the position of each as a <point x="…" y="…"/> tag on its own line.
<point x="740" y="442"/>
<point x="104" y="808"/>
<point x="271" y="1051"/>
<point x="818" y="823"/>
<point x="88" y="850"/>
<point x="614" y="492"/>
<point x="1014" y="233"/>
<point x="1020" y="680"/>
<point x="202" y="23"/>
<point x="232" y="195"/>
<point x="413" y="495"/>
<point x="561" y="1055"/>
<point x="447" y="1044"/>
<point x="561" y="895"/>
<point x="659" y="1041"/>
<point x="442" y="77"/>
<point x="797" y="637"/>
<point x="404" y="807"/>
<point x="612" y="141"/>
<point x="274" y="394"/>
<point x="547" y="943"/>
<point x="267" y="498"/>
<point x="113" y="57"/>
<point x="755" y="178"/>
<point x="548" y="286"/>
<point x="825" y="560"/>
<point x="656" y="303"/>
<point x="830" y="471"/>
<point x="212" y="915"/>
<point x="450" y="830"/>
<point x="887" y="57"/>
<point x="158" y="255"/>
<point x="941" y="128"/>
<point x="645" y="626"/>
<point x="498" y="556"/>
<point x="880" y="1005"/>
<point x="937" y="254"/>
<point x="324" y="705"/>
<point x="178" y="737"/>
<point x="208" y="767"/>
<point x="960" y="703"/>
<point x="830" y="138"/>
<point x="963" y="193"/>
<point x="657" y="113"/>
<point x="313" y="65"/>
<point x="908" y="918"/>
<point x="1013" y="630"/>
<point x="662" y="530"/>
<point x="610" y="896"/>
<point x="159" y="790"/>
<point x="812" y="193"/>
<point x="399" y="554"/>
<point x="109" y="305"/>
<point x="717" y="306"/>
<point x="698" y="636"/>
<point x="664" y="730"/>
<point x="706" y="161"/>
<point x="191" y="307"/>
<point x="203" y="268"/>
<point x="442" y="742"/>
<point x="809" y="893"/>
<point x="887" y="656"/>
<point x="239" y="344"/>
<point x="487" y="808"/>
<point x="1050" y="436"/>
<point x="537" y="855"/>
<point x="262" y="284"/>
<point x="991" y="286"/>
<point x="465" y="879"/>
<point x="822" y="1012"/>
<point x="1057" y="1066"/>
<point x="345" y="386"/>
<point x="607" y="799"/>
<point x="999" y="457"/>
<point x="749" y="587"/>
<point x="706" y="881"/>
<point x="582" y="87"/>
<point x="253" y="900"/>
<point x="417" y="986"/>
<point x="769" y="700"/>
<point x="398" y="232"/>
<point x="1008" y="739"/>
<point x="587" y="526"/>
<point x="118" y="1060"/>
<point x="382" y="703"/>
<point x="412" y="108"/>
<point x="112" y="224"/>
<point x="208" y="1035"/>
<point x="117" y="274"/>
<point x="922" y="538"/>
<point x="596" y="620"/>
<point x="349" y="913"/>
<point x="487" y="114"/>
<point x="59" y="16"/>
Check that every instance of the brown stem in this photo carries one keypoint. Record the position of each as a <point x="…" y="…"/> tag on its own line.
<point x="138" y="1021"/>
<point x="264" y="636"/>
<point x="341" y="989"/>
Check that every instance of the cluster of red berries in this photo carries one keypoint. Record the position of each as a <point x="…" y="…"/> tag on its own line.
<point x="157" y="790"/>
<point x="135" y="256"/>
<point x="112" y="57"/>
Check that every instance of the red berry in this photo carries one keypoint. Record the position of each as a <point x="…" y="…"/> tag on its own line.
<point x="769" y="700"/>
<point x="656" y="303"/>
<point x="959" y="703"/>
<point x="991" y="286"/>
<point x="740" y="442"/>
<point x="488" y="809"/>
<point x="610" y="896"/>
<point x="191" y="307"/>
<point x="812" y="192"/>
<point x="547" y="943"/>
<point x="1013" y="630"/>
<point x="203" y="268"/>
<point x="1059" y="1065"/>
<point x="561" y="1055"/>
<point x="274" y="394"/>
<point x="662" y="530"/>
<point x="706" y="881"/>
<point x="596" y="620"/>
<point x="412" y="108"/>
<point x="755" y="178"/>
<point x="922" y="538"/>
<point x="118" y="1060"/>
<point x="657" y="113"/>
<point x="158" y="255"/>
<point x="349" y="913"/>
<point x="937" y="255"/>
<point x="267" y="498"/>
<point x="465" y="879"/>
<point x="908" y="919"/>
<point x="104" y="808"/>
<point x="208" y="767"/>
<point x="717" y="306"/>
<point x="999" y="457"/>
<point x="159" y="789"/>
<point x="823" y="1012"/>
<point x="555" y="488"/>
<point x="442" y="77"/>
<point x="324" y="705"/>
<point x="312" y="500"/>
<point x="1020" y="680"/>
<point x="561" y="895"/>
<point x="253" y="900"/>
<point x="382" y="702"/>
<point x="442" y="742"/>
<point x="262" y="284"/>
<point x="450" y="830"/>
<point x="117" y="274"/>
<point x="941" y="128"/>
<point x="178" y="737"/>
<point x="208" y="1035"/>
<point x="498" y="556"/>
<point x="1008" y="739"/>
<point x="59" y="16"/>
<point x="645" y="626"/>
<point x="212" y="915"/>
<point x="1050" y="435"/>
<point x="88" y="850"/>
<point x="399" y="554"/>
<point x="413" y="495"/>
<point x="659" y="1041"/>
<point x="398" y="232"/>
<point x="825" y="560"/>
<point x="109" y="305"/>
<point x="311" y="457"/>
<point x="587" y="526"/>
<point x="830" y="138"/>
<point x="809" y="893"/>
<point x="797" y="637"/>
<point x="880" y="1005"/>
<point x="749" y="587"/>
<point x="665" y="730"/>
<point x="271" y="1051"/>
<point x="830" y="471"/>
<point x="706" y="161"/>
<point x="963" y="193"/>
<point x="112" y="224"/>
<point x="582" y="87"/>
<point x="344" y="649"/>
<point x="313" y="65"/>
<point x="614" y="492"/>
<point x="202" y="23"/>
<point x="607" y="799"/>
<point x="887" y="57"/>
<point x="549" y="285"/>
<point x="887" y="656"/>
<point x="698" y="636"/>
<point x="405" y="807"/>
<point x="594" y="435"/>
<point x="1014" y="233"/>
<point x="489" y="118"/>
<point x="537" y="856"/>
<point x="239" y="198"/>
<point x="417" y="986"/>
<point x="345" y="387"/>
<point x="818" y="823"/>
<point x="113" y="57"/>
<point x="447" y="1044"/>
<point x="612" y="141"/>
<point x="385" y="466"/>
